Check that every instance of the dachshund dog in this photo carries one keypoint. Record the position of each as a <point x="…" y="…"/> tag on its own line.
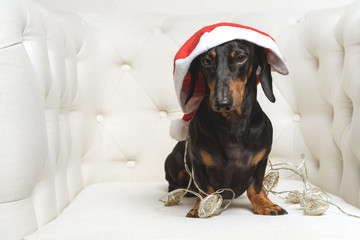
<point x="230" y="137"/>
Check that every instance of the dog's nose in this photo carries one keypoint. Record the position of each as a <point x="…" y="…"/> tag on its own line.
<point x="223" y="104"/>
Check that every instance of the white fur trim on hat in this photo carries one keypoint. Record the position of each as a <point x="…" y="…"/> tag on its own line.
<point x="179" y="129"/>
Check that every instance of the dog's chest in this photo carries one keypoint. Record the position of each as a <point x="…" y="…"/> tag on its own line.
<point x="235" y="156"/>
<point x="233" y="171"/>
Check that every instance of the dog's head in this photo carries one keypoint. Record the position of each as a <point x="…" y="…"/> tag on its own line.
<point x="231" y="71"/>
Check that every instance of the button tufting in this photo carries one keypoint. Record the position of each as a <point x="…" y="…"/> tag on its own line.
<point x="126" y="67"/>
<point x="130" y="164"/>
<point x="296" y="118"/>
<point x="300" y="20"/>
<point x="163" y="114"/>
<point x="99" y="118"/>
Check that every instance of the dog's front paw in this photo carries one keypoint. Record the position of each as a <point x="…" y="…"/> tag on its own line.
<point x="270" y="210"/>
<point x="193" y="213"/>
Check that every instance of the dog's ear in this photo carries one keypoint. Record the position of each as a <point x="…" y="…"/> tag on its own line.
<point x="194" y="72"/>
<point x="265" y="74"/>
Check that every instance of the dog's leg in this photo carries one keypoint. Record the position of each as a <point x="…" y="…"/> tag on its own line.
<point x="194" y="212"/>
<point x="261" y="203"/>
<point x="201" y="179"/>
<point x="175" y="172"/>
<point x="257" y="196"/>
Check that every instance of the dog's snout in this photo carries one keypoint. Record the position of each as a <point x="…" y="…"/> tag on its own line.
<point x="223" y="106"/>
<point x="223" y="101"/>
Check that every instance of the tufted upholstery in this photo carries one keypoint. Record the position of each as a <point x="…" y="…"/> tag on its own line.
<point x="86" y="95"/>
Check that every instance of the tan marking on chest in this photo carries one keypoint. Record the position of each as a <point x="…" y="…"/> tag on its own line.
<point x="258" y="157"/>
<point x="207" y="159"/>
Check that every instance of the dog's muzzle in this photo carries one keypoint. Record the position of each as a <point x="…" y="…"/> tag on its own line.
<point x="223" y="101"/>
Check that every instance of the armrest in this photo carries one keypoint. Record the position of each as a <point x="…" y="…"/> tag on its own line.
<point x="346" y="127"/>
<point x="23" y="140"/>
<point x="38" y="97"/>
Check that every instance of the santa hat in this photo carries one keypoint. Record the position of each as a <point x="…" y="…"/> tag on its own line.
<point x="203" y="40"/>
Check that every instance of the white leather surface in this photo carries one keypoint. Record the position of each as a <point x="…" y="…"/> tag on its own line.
<point x="132" y="211"/>
<point x="86" y="96"/>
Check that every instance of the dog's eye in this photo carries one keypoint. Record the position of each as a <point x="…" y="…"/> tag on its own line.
<point x="206" y="62"/>
<point x="241" y="58"/>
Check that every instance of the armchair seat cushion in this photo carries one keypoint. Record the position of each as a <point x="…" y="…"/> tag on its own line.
<point x="132" y="211"/>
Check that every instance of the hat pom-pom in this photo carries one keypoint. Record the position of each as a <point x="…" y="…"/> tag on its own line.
<point x="179" y="129"/>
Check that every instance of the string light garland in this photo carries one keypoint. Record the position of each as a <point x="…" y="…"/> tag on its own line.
<point x="210" y="205"/>
<point x="314" y="201"/>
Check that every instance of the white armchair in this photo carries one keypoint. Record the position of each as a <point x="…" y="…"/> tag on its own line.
<point x="86" y="99"/>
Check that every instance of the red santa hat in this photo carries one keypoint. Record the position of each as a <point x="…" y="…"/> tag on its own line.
<point x="203" y="40"/>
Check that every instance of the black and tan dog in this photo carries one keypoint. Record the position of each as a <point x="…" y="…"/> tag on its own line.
<point x="230" y="137"/>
